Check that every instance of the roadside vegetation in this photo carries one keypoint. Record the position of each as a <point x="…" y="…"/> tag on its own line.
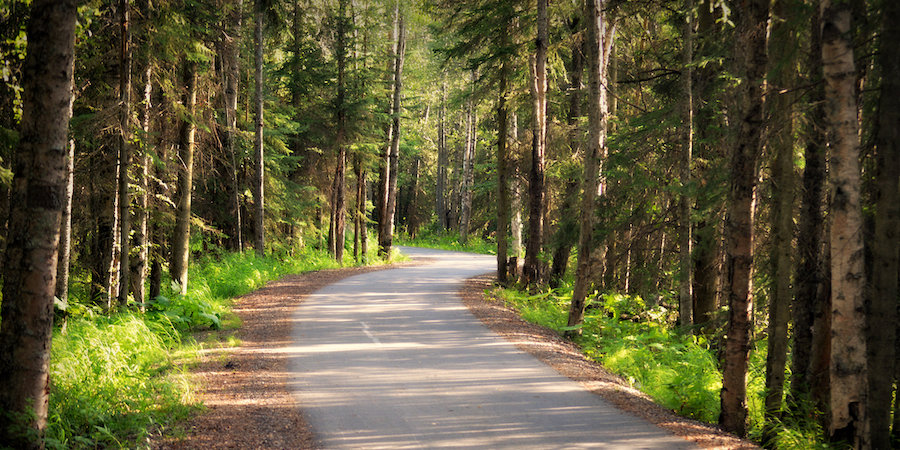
<point x="120" y="378"/>
<point x="639" y="342"/>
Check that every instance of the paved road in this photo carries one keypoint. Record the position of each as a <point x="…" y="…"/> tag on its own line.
<point x="392" y="359"/>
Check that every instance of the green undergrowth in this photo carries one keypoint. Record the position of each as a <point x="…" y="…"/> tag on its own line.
<point x="638" y="342"/>
<point x="117" y="380"/>
<point x="449" y="241"/>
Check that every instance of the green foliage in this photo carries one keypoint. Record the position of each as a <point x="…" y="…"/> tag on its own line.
<point x="116" y="380"/>
<point x="678" y="371"/>
<point x="448" y="241"/>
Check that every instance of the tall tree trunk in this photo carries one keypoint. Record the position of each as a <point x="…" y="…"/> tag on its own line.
<point x="412" y="214"/>
<point x="600" y="31"/>
<point x="536" y="200"/>
<point x="468" y="175"/>
<point x="124" y="150"/>
<point x="750" y="56"/>
<point x="503" y="164"/>
<point x="385" y="182"/>
<point x="140" y="238"/>
<point x="781" y="143"/>
<point x="360" y="238"/>
<point x="387" y="232"/>
<point x="65" y="235"/>
<point x="340" y="183"/>
<point x="847" y="405"/>
<point x="568" y="227"/>
<point x="440" y="204"/>
<point x="685" y="262"/>
<point x="178" y="266"/>
<point x="232" y="74"/>
<point x="882" y="314"/>
<point x="811" y="292"/>
<point x="515" y="220"/>
<point x="260" y="170"/>
<point x="38" y="188"/>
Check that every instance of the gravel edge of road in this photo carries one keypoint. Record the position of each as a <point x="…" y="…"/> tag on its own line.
<point x="567" y="358"/>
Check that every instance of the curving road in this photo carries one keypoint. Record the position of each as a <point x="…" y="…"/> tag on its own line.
<point x="392" y="359"/>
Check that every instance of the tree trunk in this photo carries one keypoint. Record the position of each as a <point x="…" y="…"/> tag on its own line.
<point x="260" y="170"/>
<point x="568" y="226"/>
<point x="515" y="224"/>
<point x="385" y="182"/>
<point x="882" y="314"/>
<point x="685" y="262"/>
<point x="387" y="223"/>
<point x="232" y="74"/>
<point x="65" y="236"/>
<point x="124" y="151"/>
<point x="440" y="204"/>
<point x="750" y="56"/>
<point x="847" y="418"/>
<point x="360" y="234"/>
<point x="503" y="164"/>
<point x="178" y="266"/>
<point x="810" y="294"/>
<point x="600" y="31"/>
<point x="340" y="183"/>
<point x="536" y="188"/>
<point x="38" y="190"/>
<point x="140" y="238"/>
<point x="412" y="214"/>
<point x="468" y="175"/>
<point x="781" y="143"/>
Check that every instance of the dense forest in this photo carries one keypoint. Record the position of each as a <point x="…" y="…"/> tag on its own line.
<point x="732" y="163"/>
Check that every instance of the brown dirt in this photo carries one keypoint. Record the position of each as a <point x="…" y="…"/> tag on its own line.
<point x="248" y="404"/>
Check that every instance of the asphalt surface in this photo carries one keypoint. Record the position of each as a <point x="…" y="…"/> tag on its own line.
<point x="393" y="359"/>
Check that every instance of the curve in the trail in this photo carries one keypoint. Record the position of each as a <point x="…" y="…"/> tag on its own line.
<point x="393" y="359"/>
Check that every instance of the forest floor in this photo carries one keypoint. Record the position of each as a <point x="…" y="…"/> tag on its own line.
<point x="248" y="402"/>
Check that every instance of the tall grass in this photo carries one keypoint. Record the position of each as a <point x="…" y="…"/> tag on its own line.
<point x="679" y="371"/>
<point x="118" y="380"/>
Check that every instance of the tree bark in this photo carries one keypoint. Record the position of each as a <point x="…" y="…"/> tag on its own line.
<point x="232" y="74"/>
<point x="124" y="150"/>
<point x="600" y="31"/>
<point x="178" y="266"/>
<point x="750" y="56"/>
<point x="811" y="293"/>
<point x="387" y="222"/>
<point x="568" y="228"/>
<point x="882" y="314"/>
<point x="685" y="262"/>
<point x="468" y="175"/>
<point x="38" y="190"/>
<point x="503" y="163"/>
<point x="847" y="405"/>
<point x="440" y="204"/>
<point x="781" y="143"/>
<point x="260" y="169"/>
<point x="536" y="200"/>
<point x="140" y="238"/>
<point x="340" y="184"/>
<point x="65" y="236"/>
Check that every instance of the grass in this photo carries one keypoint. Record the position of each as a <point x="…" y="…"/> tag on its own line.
<point x="679" y="371"/>
<point x="118" y="380"/>
<point x="449" y="241"/>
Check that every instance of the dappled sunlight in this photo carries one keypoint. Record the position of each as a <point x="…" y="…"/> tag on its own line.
<point x="393" y="359"/>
